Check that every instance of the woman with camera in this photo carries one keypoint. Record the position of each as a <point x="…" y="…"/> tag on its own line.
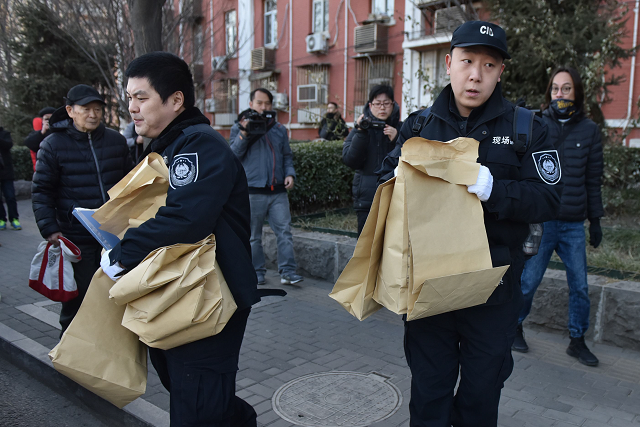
<point x="368" y="144"/>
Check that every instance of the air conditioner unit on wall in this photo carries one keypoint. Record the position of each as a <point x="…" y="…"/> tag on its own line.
<point x="280" y="101"/>
<point x="448" y="19"/>
<point x="219" y="64"/>
<point x="263" y="58"/>
<point x="371" y="38"/>
<point x="312" y="93"/>
<point x="317" y="43"/>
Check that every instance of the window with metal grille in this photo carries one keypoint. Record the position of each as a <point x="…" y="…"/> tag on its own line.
<point x="371" y="71"/>
<point x="225" y="96"/>
<point x="270" y="83"/>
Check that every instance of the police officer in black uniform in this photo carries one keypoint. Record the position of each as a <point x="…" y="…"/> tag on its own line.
<point x="208" y="193"/>
<point x="515" y="190"/>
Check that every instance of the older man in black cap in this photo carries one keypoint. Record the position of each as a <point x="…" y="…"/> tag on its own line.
<point x="77" y="164"/>
<point x="474" y="344"/>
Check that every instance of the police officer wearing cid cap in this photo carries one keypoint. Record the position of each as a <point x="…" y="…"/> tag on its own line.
<point x="475" y="343"/>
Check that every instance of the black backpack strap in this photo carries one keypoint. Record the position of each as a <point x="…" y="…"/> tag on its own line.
<point x="522" y="129"/>
<point x="421" y="121"/>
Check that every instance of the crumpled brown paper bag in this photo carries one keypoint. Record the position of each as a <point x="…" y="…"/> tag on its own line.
<point x="168" y="272"/>
<point x="354" y="290"/>
<point x="98" y="353"/>
<point x="435" y="256"/>
<point x="182" y="323"/>
<point x="157" y="309"/>
<point x="136" y="197"/>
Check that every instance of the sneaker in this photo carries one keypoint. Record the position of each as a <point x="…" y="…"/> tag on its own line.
<point x="578" y="349"/>
<point x="290" y="278"/>
<point x="3" y="225"/>
<point x="519" y="344"/>
<point x="261" y="281"/>
<point x="15" y="224"/>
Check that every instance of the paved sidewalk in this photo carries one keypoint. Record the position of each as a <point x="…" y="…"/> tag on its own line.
<point x="308" y="333"/>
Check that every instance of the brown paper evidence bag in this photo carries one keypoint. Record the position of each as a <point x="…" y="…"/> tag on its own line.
<point x="424" y="249"/>
<point x="176" y="295"/>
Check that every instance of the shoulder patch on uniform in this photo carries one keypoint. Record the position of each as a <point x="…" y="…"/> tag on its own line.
<point x="183" y="170"/>
<point x="548" y="166"/>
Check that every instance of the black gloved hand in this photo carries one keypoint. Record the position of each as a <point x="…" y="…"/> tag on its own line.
<point x="595" y="232"/>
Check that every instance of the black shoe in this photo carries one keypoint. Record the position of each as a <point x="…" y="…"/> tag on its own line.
<point x="519" y="344"/>
<point x="578" y="349"/>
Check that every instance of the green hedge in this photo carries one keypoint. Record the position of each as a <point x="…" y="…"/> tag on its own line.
<point x="621" y="180"/>
<point x="323" y="182"/>
<point x="22" y="163"/>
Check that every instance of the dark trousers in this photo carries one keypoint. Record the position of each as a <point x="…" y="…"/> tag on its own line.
<point x="474" y="342"/>
<point x="201" y="379"/>
<point x="362" y="218"/>
<point x="9" y="194"/>
<point x="83" y="272"/>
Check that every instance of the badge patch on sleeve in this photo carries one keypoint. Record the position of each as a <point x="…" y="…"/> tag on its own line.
<point x="548" y="166"/>
<point x="183" y="170"/>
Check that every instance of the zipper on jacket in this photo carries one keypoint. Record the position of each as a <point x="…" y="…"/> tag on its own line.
<point x="95" y="159"/>
<point x="273" y="169"/>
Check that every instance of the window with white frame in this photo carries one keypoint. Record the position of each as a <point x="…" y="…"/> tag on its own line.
<point x="382" y="7"/>
<point x="270" y="22"/>
<point x="231" y="31"/>
<point x="320" y="16"/>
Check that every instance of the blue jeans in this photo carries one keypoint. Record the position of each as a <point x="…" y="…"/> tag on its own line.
<point x="567" y="238"/>
<point x="274" y="207"/>
<point x="9" y="193"/>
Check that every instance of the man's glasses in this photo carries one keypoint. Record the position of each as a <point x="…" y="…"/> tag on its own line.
<point x="385" y="104"/>
<point x="566" y="90"/>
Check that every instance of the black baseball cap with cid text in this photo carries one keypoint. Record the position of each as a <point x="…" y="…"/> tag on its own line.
<point x="481" y="33"/>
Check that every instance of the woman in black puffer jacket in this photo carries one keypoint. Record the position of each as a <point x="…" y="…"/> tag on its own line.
<point x="368" y="144"/>
<point x="579" y="146"/>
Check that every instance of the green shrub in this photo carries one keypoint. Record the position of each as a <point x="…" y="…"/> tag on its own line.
<point x="323" y="182"/>
<point x="22" y="163"/>
<point x="621" y="180"/>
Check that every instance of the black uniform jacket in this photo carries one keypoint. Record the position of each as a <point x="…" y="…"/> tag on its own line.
<point x="208" y="193"/>
<point x="364" y="151"/>
<point x="519" y="195"/>
<point x="582" y="163"/>
<point x="75" y="169"/>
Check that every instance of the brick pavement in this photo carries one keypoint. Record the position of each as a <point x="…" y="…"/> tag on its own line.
<point x="306" y="332"/>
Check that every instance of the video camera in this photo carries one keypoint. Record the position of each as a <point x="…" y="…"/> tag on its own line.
<point x="258" y="124"/>
<point x="368" y="122"/>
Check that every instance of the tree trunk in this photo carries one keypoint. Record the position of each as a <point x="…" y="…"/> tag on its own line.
<point x="146" y="21"/>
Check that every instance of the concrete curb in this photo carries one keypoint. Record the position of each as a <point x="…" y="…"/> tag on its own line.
<point x="615" y="304"/>
<point x="33" y="358"/>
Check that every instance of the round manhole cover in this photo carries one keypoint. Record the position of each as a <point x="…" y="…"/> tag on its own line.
<point x="337" y="399"/>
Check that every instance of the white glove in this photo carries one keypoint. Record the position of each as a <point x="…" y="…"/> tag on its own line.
<point x="111" y="270"/>
<point x="395" y="171"/>
<point x="484" y="184"/>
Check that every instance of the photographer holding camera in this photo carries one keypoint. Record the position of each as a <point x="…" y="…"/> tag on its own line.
<point x="262" y="145"/>
<point x="374" y="136"/>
